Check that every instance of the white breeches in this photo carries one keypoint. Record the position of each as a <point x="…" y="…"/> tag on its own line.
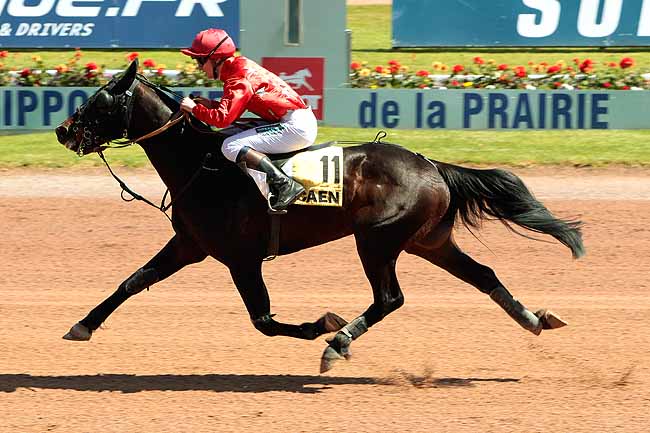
<point x="296" y="130"/>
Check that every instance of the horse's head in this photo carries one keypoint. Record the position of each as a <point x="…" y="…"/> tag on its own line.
<point x="104" y="117"/>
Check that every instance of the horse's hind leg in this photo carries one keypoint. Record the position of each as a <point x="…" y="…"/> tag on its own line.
<point x="248" y="278"/>
<point x="178" y="253"/>
<point x="449" y="257"/>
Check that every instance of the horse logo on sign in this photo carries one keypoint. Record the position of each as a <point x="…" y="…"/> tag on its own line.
<point x="306" y="75"/>
<point x="298" y="80"/>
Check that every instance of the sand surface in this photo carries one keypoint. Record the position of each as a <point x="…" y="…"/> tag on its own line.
<point x="183" y="356"/>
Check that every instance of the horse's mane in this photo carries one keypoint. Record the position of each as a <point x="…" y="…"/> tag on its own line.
<point x="165" y="95"/>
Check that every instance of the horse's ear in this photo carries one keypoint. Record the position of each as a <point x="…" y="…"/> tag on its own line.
<point x="126" y="79"/>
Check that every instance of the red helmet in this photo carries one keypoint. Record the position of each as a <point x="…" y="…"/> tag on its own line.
<point x="213" y="42"/>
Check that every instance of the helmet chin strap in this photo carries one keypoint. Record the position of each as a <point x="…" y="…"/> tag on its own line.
<point x="215" y="67"/>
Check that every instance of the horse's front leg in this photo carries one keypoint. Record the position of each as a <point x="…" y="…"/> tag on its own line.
<point x="178" y="253"/>
<point x="379" y="267"/>
<point x="250" y="284"/>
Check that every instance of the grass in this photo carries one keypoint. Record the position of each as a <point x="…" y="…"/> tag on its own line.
<point x="371" y="27"/>
<point x="512" y="148"/>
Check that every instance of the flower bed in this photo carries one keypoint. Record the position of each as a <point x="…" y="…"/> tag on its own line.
<point x="78" y="73"/>
<point x="582" y="74"/>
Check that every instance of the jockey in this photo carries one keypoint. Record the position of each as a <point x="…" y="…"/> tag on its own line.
<point x="248" y="86"/>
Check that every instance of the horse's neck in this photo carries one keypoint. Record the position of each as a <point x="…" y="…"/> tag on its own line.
<point x="165" y="151"/>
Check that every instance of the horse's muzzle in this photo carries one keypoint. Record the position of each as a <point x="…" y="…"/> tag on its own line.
<point x="61" y="134"/>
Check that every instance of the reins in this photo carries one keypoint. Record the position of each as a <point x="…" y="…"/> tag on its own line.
<point x="176" y="117"/>
<point x="162" y="207"/>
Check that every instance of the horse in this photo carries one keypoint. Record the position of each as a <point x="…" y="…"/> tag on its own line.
<point x="394" y="201"/>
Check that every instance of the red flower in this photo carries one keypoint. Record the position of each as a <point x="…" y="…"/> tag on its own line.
<point x="4" y="54"/>
<point x="502" y="67"/>
<point x="586" y="66"/>
<point x="355" y="66"/>
<point x="422" y="73"/>
<point x="90" y="74"/>
<point x="455" y="83"/>
<point x="627" y="62"/>
<point x="149" y="63"/>
<point x="625" y="88"/>
<point x="132" y="56"/>
<point x="394" y="69"/>
<point x="557" y="84"/>
<point x="554" y="69"/>
<point x="91" y="66"/>
<point x="422" y="86"/>
<point x="520" y="71"/>
<point x="458" y="68"/>
<point x="160" y="72"/>
<point x="25" y="73"/>
<point x="379" y="69"/>
<point x="607" y="84"/>
<point x="478" y="61"/>
<point x="393" y="63"/>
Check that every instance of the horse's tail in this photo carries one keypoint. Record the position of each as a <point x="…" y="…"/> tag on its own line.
<point x="478" y="194"/>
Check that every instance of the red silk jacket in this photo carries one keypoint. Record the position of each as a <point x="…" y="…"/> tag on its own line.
<point x="248" y="86"/>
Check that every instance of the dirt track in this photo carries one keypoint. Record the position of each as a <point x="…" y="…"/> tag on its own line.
<point x="183" y="356"/>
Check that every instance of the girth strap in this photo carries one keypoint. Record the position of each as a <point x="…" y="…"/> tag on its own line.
<point x="274" y="239"/>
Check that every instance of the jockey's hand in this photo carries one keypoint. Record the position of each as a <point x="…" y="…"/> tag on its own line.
<point x="203" y="101"/>
<point x="187" y="105"/>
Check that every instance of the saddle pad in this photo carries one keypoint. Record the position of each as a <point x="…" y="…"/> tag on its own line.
<point x="321" y="173"/>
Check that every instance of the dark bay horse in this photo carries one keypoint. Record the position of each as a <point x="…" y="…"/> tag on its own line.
<point x="394" y="201"/>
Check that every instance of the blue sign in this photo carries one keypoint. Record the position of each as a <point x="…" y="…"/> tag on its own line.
<point x="487" y="109"/>
<point x="112" y="23"/>
<point x="521" y="23"/>
<point x="33" y="108"/>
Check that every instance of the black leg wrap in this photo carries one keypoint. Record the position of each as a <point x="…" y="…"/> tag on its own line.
<point x="266" y="325"/>
<point x="140" y="280"/>
<point x="350" y="332"/>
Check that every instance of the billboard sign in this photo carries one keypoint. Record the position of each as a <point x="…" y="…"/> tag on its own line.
<point x="112" y="23"/>
<point x="521" y="23"/>
<point x="488" y="109"/>
<point x="306" y="75"/>
<point x="34" y="108"/>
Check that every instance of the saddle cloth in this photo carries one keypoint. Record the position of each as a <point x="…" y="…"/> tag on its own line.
<point x="321" y="173"/>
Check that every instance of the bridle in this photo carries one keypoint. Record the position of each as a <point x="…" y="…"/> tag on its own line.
<point x="124" y="103"/>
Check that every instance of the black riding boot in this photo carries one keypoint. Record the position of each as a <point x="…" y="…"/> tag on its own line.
<point x="285" y="189"/>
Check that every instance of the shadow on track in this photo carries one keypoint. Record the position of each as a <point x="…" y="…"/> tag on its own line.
<point x="131" y="383"/>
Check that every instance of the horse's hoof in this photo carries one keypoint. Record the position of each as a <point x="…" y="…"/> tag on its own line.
<point x="329" y="358"/>
<point x="332" y="322"/>
<point x="550" y="320"/>
<point x="78" y="333"/>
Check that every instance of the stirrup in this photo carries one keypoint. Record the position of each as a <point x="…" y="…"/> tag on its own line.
<point x="271" y="210"/>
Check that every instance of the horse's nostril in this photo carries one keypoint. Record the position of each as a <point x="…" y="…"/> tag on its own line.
<point x="61" y="133"/>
